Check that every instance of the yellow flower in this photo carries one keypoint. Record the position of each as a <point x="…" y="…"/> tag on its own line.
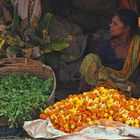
<point x="132" y="122"/>
<point x="63" y="116"/>
<point x="85" y="93"/>
<point x="67" y="117"/>
<point x="110" y="118"/>
<point x="109" y="105"/>
<point x="56" y="104"/>
<point x="124" y="115"/>
<point x="136" y="121"/>
<point x="89" y="107"/>
<point x="72" y="126"/>
<point x="96" y="92"/>
<point x="75" y="100"/>
<point x="80" y="102"/>
<point x="66" y="126"/>
<point x="46" y="111"/>
<point x="53" y="117"/>
<point x="96" y="100"/>
<point x="73" y="110"/>
<point x="104" y="106"/>
<point x="136" y="125"/>
<point x="131" y="107"/>
<point x="127" y="122"/>
<point x="103" y="98"/>
<point x="105" y="115"/>
<point x="88" y="119"/>
<point x="62" y="111"/>
<point x="90" y="123"/>
<point x="111" y="100"/>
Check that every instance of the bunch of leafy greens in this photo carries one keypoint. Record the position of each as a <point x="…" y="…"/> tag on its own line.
<point x="39" y="36"/>
<point x="22" y="96"/>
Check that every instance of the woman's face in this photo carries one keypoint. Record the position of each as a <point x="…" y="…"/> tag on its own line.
<point x="117" y="28"/>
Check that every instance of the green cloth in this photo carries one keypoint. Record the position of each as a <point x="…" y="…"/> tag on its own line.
<point x="93" y="70"/>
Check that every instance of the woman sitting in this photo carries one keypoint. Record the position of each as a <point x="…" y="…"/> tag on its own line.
<point x="118" y="58"/>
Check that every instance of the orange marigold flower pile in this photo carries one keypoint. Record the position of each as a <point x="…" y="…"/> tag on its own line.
<point x="85" y="109"/>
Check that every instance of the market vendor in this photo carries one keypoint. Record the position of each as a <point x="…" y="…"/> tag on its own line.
<point x="116" y="65"/>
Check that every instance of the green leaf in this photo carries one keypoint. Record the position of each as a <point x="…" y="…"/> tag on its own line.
<point x="46" y="21"/>
<point x="17" y="41"/>
<point x="37" y="41"/>
<point x="15" y="21"/>
<point x="2" y="41"/>
<point x="51" y="59"/>
<point x="56" y="46"/>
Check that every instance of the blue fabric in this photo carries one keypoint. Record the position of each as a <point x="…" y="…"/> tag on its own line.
<point x="108" y="57"/>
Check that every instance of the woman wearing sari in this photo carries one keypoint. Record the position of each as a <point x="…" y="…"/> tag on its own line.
<point x="117" y="61"/>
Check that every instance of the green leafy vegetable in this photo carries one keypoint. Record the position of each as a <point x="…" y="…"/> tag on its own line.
<point x="22" y="97"/>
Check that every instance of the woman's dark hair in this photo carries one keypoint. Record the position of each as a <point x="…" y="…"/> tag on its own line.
<point x="129" y="18"/>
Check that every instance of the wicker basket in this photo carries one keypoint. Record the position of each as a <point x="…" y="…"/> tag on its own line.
<point x="25" y="65"/>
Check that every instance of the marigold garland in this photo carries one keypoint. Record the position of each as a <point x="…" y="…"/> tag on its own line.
<point x="87" y="108"/>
